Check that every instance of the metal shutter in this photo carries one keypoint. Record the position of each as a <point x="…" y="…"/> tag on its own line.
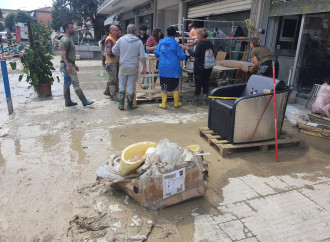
<point x="226" y="6"/>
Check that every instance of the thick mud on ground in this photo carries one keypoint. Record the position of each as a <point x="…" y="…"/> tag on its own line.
<point x="49" y="155"/>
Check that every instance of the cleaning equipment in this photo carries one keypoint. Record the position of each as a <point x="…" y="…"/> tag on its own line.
<point x="126" y="167"/>
<point x="275" y="115"/>
<point x="224" y="98"/>
<point x="164" y="100"/>
<point x="176" y="96"/>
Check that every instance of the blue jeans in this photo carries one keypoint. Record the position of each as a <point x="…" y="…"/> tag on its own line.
<point x="70" y="78"/>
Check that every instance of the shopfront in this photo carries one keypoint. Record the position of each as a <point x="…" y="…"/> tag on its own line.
<point x="302" y="42"/>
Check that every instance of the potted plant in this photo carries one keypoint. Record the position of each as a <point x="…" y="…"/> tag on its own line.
<point x="36" y="59"/>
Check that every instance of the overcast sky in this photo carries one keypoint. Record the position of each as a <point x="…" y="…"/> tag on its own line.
<point x="25" y="4"/>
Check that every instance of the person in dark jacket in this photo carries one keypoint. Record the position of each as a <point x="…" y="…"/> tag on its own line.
<point x="143" y="34"/>
<point x="169" y="53"/>
<point x="202" y="75"/>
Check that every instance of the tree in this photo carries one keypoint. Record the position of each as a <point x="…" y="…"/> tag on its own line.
<point x="61" y="13"/>
<point x="2" y="27"/>
<point x="81" y="11"/>
<point x="10" y="21"/>
<point x="22" y="17"/>
<point x="86" y="10"/>
<point x="1" y="15"/>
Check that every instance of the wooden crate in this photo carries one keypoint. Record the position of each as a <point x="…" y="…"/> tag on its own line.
<point x="226" y="148"/>
<point x="148" y="91"/>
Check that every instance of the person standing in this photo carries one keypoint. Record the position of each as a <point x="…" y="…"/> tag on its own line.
<point x="131" y="50"/>
<point x="69" y="68"/>
<point x="9" y="38"/>
<point x="169" y="53"/>
<point x="143" y="35"/>
<point x="102" y="44"/>
<point x="153" y="40"/>
<point x="1" y="47"/>
<point x="111" y="63"/>
<point x="262" y="59"/>
<point x="201" y="73"/>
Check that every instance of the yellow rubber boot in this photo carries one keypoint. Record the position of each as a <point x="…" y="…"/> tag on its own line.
<point x="164" y="100"/>
<point x="176" y="96"/>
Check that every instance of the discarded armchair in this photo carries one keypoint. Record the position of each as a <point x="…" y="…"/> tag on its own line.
<point x="249" y="118"/>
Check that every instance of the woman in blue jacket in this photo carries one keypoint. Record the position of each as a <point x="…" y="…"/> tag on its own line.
<point x="169" y="53"/>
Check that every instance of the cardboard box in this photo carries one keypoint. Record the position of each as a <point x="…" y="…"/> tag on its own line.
<point x="160" y="187"/>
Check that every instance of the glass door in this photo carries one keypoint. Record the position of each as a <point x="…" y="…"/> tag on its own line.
<point x="313" y="62"/>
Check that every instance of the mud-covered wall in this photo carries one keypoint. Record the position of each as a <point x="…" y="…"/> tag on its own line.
<point x="299" y="7"/>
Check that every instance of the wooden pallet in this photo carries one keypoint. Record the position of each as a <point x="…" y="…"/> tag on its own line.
<point x="226" y="148"/>
<point x="315" y="129"/>
<point x="155" y="97"/>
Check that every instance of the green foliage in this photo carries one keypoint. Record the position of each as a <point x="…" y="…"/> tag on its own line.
<point x="82" y="11"/>
<point x="22" y="17"/>
<point x="1" y="15"/>
<point x="2" y="27"/>
<point x="61" y="13"/>
<point x="85" y="9"/>
<point x="10" y="21"/>
<point x="37" y="58"/>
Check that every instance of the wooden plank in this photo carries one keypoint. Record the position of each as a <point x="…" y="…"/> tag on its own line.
<point x="272" y="142"/>
<point x="225" y="148"/>
<point x="218" y="142"/>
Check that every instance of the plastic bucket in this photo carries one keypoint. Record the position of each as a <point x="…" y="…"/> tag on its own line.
<point x="126" y="167"/>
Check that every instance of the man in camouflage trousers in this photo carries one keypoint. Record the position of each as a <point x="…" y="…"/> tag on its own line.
<point x="69" y="68"/>
<point x="112" y="63"/>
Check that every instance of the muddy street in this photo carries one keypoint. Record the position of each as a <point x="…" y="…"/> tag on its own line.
<point x="49" y="155"/>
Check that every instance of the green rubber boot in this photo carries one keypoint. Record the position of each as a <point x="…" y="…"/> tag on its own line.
<point x="121" y="101"/>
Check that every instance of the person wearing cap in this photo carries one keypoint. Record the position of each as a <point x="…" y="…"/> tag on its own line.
<point x="169" y="53"/>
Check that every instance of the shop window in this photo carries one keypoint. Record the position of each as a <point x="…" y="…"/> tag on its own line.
<point x="147" y="20"/>
<point x="289" y="28"/>
<point x="313" y="65"/>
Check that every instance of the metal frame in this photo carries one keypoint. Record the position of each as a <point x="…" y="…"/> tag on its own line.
<point x="292" y="77"/>
<point x="216" y="21"/>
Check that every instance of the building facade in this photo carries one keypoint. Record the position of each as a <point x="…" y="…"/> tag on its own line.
<point x="296" y="31"/>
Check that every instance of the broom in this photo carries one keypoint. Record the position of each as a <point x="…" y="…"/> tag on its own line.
<point x="275" y="116"/>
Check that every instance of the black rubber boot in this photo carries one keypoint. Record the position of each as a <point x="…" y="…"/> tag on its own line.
<point x="195" y="100"/>
<point x="67" y="97"/>
<point x="82" y="97"/>
<point x="130" y="99"/>
<point x="121" y="101"/>
<point x="112" y="92"/>
<point x="107" y="91"/>
<point x="205" y="99"/>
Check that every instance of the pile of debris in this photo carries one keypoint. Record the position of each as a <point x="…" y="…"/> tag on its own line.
<point x="157" y="175"/>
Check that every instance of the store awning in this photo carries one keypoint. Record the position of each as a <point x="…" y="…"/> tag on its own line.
<point x="293" y="7"/>
<point x="222" y="7"/>
<point x="112" y="19"/>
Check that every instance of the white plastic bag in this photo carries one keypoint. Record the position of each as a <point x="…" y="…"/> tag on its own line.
<point x="295" y="115"/>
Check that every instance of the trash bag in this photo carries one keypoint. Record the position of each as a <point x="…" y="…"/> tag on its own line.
<point x="321" y="104"/>
<point x="295" y="115"/>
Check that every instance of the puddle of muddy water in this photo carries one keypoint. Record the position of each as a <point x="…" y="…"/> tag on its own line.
<point x="79" y="154"/>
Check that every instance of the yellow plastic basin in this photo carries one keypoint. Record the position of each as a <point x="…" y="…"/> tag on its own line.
<point x="126" y="167"/>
